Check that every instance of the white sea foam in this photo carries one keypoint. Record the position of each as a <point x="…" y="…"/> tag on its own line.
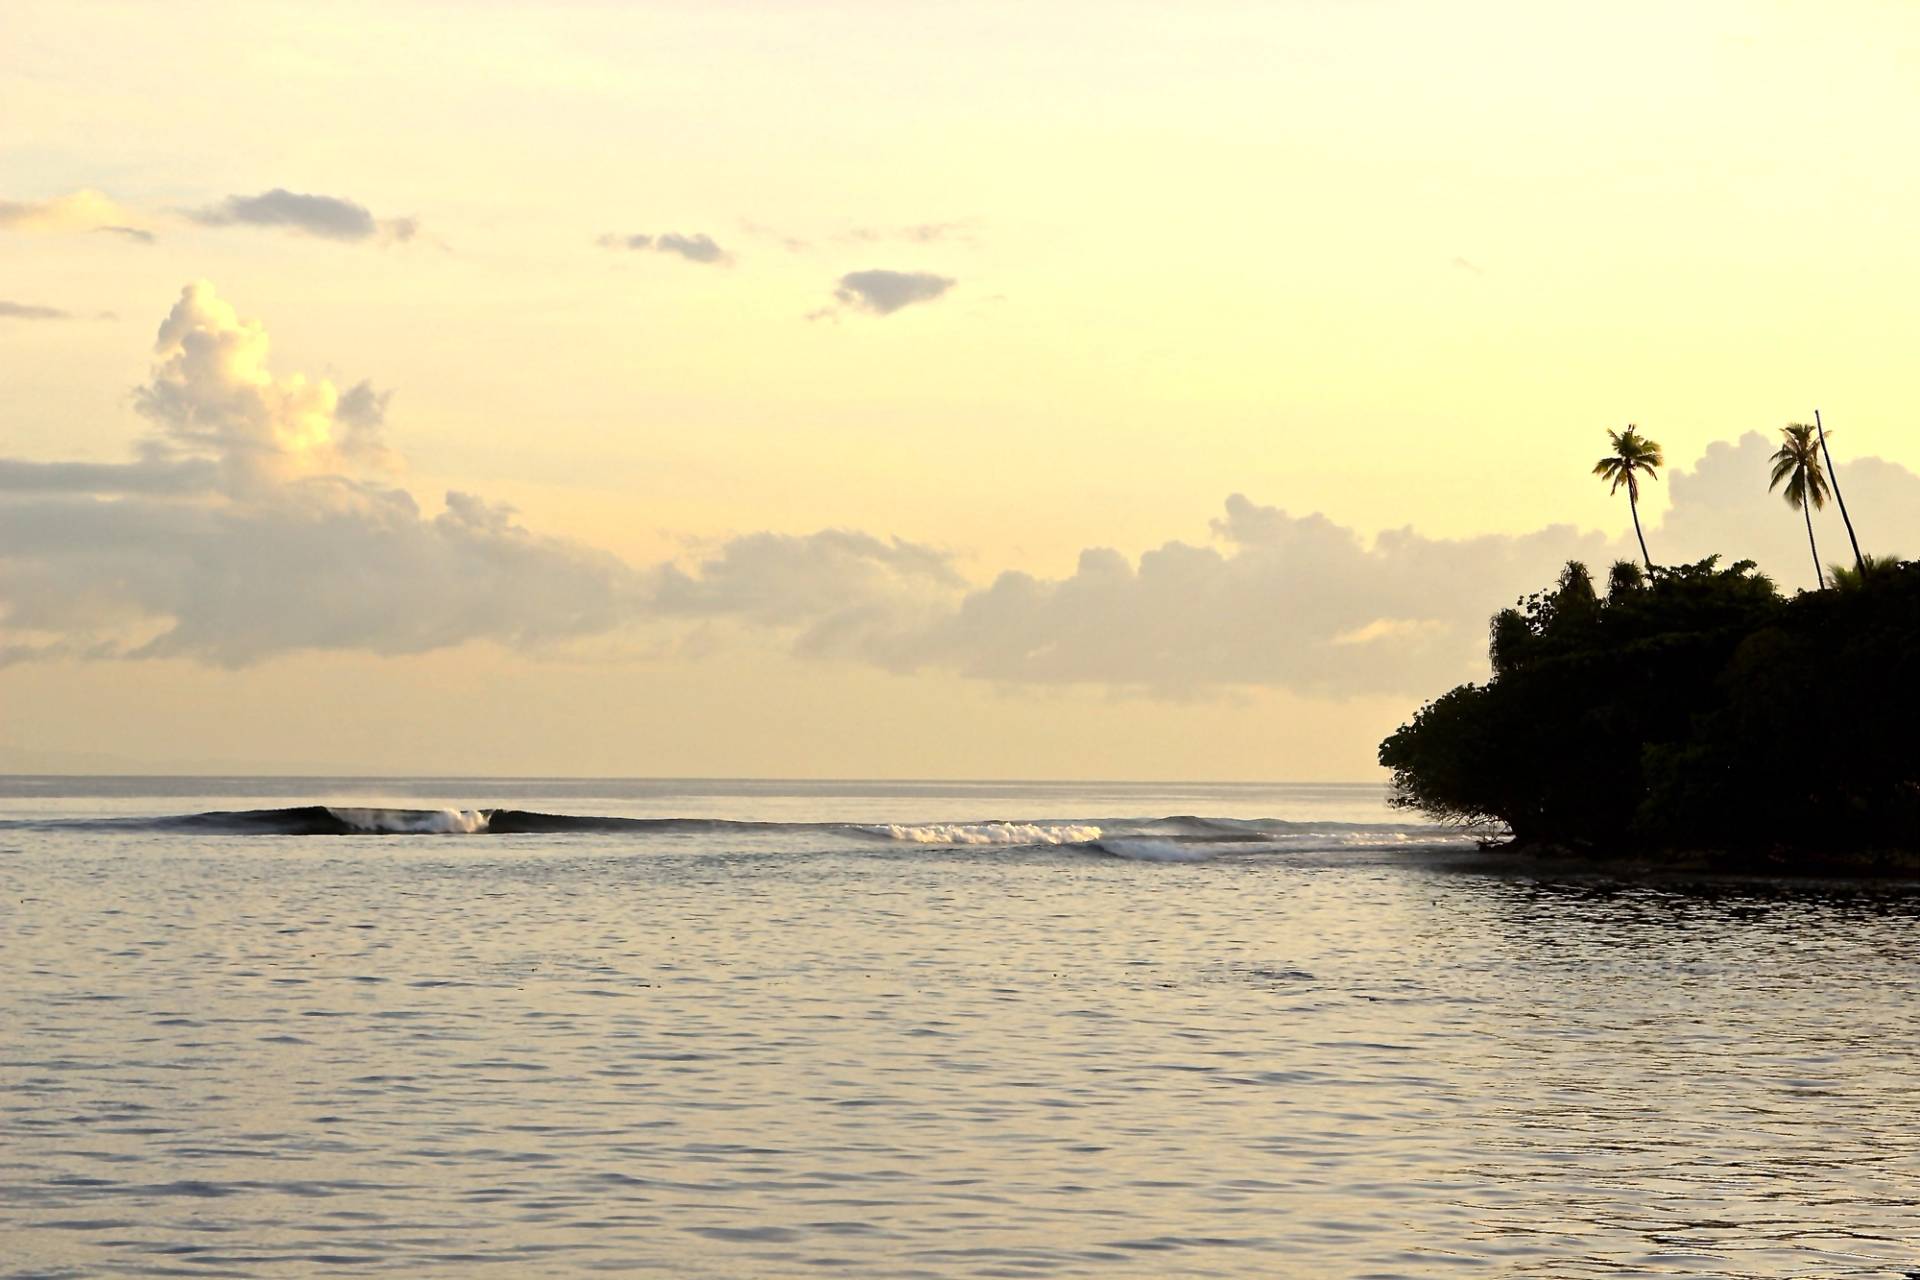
<point x="414" y="821"/>
<point x="989" y="833"/>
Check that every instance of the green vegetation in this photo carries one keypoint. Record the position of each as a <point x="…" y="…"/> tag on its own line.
<point x="1690" y="710"/>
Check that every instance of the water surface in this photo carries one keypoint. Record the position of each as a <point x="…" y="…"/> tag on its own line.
<point x="923" y="1030"/>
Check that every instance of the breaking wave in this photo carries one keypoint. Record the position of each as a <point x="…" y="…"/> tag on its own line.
<point x="1010" y="833"/>
<point x="409" y="822"/>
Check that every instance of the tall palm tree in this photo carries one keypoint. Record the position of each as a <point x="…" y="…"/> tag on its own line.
<point x="1633" y="456"/>
<point x="1859" y="561"/>
<point x="1797" y="465"/>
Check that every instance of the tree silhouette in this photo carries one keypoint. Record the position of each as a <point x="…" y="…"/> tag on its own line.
<point x="1797" y="465"/>
<point x="1633" y="456"/>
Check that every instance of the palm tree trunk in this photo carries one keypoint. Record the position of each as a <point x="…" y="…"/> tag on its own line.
<point x="1806" y="509"/>
<point x="1833" y="481"/>
<point x="1633" y="501"/>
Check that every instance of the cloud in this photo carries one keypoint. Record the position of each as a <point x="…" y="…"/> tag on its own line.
<point x="759" y="230"/>
<point x="694" y="248"/>
<point x="328" y="217"/>
<point x="248" y="527"/>
<point x="212" y="395"/>
<point x="83" y="211"/>
<point x="29" y="311"/>
<point x="361" y="408"/>
<point x="315" y="567"/>
<point x="135" y="234"/>
<point x="884" y="292"/>
<point x="254" y="520"/>
<point x="841" y="592"/>
<point x="1267" y="599"/>
<point x="1270" y="599"/>
<point x="1274" y="599"/>
<point x="1721" y="504"/>
<point x="961" y="231"/>
<point x="918" y="233"/>
<point x="193" y="476"/>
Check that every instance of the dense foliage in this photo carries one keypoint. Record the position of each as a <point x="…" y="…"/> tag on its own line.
<point x="1694" y="708"/>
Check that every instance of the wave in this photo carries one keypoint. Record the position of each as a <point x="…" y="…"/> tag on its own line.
<point x="415" y="821"/>
<point x="1179" y="838"/>
<point x="1008" y="833"/>
<point x="1143" y="849"/>
<point x="343" y="820"/>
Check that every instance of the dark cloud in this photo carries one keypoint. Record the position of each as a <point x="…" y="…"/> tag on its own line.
<point x="694" y="248"/>
<point x="885" y="292"/>
<point x="328" y="217"/>
<point x="136" y="234"/>
<point x="29" y="311"/>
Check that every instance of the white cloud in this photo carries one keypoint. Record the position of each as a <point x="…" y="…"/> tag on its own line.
<point x="253" y="523"/>
<point x="83" y="211"/>
<point x="838" y="592"/>
<point x="247" y="528"/>
<point x="1277" y="600"/>
<point x="1388" y="629"/>
<point x="212" y="395"/>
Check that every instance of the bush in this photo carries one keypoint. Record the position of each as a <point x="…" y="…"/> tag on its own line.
<point x="1694" y="708"/>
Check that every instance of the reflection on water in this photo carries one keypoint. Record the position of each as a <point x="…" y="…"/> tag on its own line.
<point x="562" y="1056"/>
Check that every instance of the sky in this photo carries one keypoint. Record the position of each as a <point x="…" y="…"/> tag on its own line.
<point x="864" y="389"/>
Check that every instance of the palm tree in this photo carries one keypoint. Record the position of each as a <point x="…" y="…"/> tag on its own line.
<point x="1859" y="561"/>
<point x="1633" y="456"/>
<point x="1574" y="600"/>
<point x="1623" y="580"/>
<point x="1797" y="464"/>
<point x="1870" y="569"/>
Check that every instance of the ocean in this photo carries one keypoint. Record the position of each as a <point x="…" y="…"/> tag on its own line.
<point x="516" y="1027"/>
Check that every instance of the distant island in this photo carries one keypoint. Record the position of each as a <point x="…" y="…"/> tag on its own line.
<point x="1692" y="715"/>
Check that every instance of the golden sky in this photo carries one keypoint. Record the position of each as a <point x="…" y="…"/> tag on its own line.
<point x="975" y="289"/>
